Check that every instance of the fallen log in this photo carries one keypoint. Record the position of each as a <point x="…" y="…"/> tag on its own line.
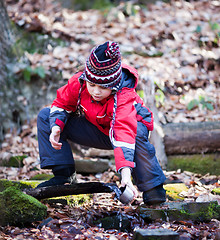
<point x="73" y="189"/>
<point x="190" y="138"/>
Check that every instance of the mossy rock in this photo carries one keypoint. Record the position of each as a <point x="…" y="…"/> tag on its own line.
<point x="14" y="161"/>
<point x="173" y="191"/>
<point x="216" y="191"/>
<point x="4" y="184"/>
<point x="202" y="211"/>
<point x="155" y="234"/>
<point x="119" y="221"/>
<point x="199" y="212"/>
<point x="42" y="177"/>
<point x="71" y="200"/>
<point x="197" y="163"/>
<point x="20" y="209"/>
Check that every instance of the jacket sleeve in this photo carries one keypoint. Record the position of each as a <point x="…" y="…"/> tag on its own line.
<point x="144" y="114"/>
<point x="65" y="102"/>
<point x="123" y="130"/>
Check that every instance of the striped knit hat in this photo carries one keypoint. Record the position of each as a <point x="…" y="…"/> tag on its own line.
<point x="103" y="66"/>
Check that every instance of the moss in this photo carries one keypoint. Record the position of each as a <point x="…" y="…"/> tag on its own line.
<point x="199" y="212"/>
<point x="77" y="200"/>
<point x="173" y="191"/>
<point x="33" y="42"/>
<point x="177" y="215"/>
<point x="71" y="200"/>
<point x="4" y="184"/>
<point x="202" y="212"/>
<point x="212" y="212"/>
<point x="20" y="209"/>
<point x="150" y="215"/>
<point x="198" y="163"/>
<point x="85" y="4"/>
<point x="42" y="177"/>
<point x="216" y="191"/>
<point x="31" y="184"/>
<point x="15" y="161"/>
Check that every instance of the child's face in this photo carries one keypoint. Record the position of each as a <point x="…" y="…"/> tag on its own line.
<point x="98" y="92"/>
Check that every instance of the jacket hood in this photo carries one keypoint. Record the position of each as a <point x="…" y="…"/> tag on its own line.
<point x="129" y="77"/>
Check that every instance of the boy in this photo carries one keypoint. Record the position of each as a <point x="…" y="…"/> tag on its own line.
<point x="113" y="116"/>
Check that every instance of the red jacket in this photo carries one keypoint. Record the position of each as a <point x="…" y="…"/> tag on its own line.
<point x="116" y="116"/>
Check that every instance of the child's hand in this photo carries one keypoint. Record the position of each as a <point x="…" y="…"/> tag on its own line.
<point x="55" y="137"/>
<point x="126" y="180"/>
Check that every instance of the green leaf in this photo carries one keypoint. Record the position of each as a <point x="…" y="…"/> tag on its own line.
<point x="202" y="99"/>
<point x="192" y="104"/>
<point x="198" y="29"/>
<point x="209" y="106"/>
<point x="40" y="72"/>
<point x="27" y="73"/>
<point x="214" y="26"/>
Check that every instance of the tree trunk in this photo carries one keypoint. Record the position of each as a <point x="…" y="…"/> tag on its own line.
<point x="9" y="89"/>
<point x="74" y="189"/>
<point x="5" y="40"/>
<point x="6" y="88"/>
<point x="190" y="138"/>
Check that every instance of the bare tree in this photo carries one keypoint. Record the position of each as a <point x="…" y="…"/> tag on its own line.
<point x="6" y="41"/>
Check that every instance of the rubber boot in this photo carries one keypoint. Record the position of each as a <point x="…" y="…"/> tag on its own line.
<point x="155" y="196"/>
<point x="62" y="174"/>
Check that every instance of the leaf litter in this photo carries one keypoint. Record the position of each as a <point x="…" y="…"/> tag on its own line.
<point x="173" y="43"/>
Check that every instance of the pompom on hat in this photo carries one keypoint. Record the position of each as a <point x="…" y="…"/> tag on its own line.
<point x="103" y="66"/>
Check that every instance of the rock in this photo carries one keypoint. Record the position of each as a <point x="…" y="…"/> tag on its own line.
<point x="216" y="191"/>
<point x="119" y="222"/>
<point x="92" y="165"/>
<point x="7" y="160"/>
<point x="19" y="209"/>
<point x="171" y="211"/>
<point x="155" y="234"/>
<point x="91" y="152"/>
<point x="196" y="163"/>
<point x="208" y="197"/>
<point x="173" y="191"/>
<point x="4" y="184"/>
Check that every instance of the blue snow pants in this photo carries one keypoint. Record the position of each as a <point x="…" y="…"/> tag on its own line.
<point x="147" y="173"/>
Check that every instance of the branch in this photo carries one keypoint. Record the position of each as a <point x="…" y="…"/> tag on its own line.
<point x="74" y="189"/>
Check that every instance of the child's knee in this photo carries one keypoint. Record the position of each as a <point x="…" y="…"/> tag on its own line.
<point x="43" y="114"/>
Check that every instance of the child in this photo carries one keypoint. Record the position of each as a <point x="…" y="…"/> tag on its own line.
<point x="113" y="116"/>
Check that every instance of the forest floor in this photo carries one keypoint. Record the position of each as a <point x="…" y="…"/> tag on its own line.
<point x="176" y="45"/>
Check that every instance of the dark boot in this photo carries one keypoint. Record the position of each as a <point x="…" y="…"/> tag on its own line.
<point x="62" y="174"/>
<point x="155" y="195"/>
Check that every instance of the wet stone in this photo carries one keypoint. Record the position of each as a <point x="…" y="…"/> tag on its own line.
<point x="155" y="234"/>
<point x="174" y="211"/>
<point x="119" y="222"/>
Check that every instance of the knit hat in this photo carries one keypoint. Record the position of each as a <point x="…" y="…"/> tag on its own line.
<point x="103" y="66"/>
